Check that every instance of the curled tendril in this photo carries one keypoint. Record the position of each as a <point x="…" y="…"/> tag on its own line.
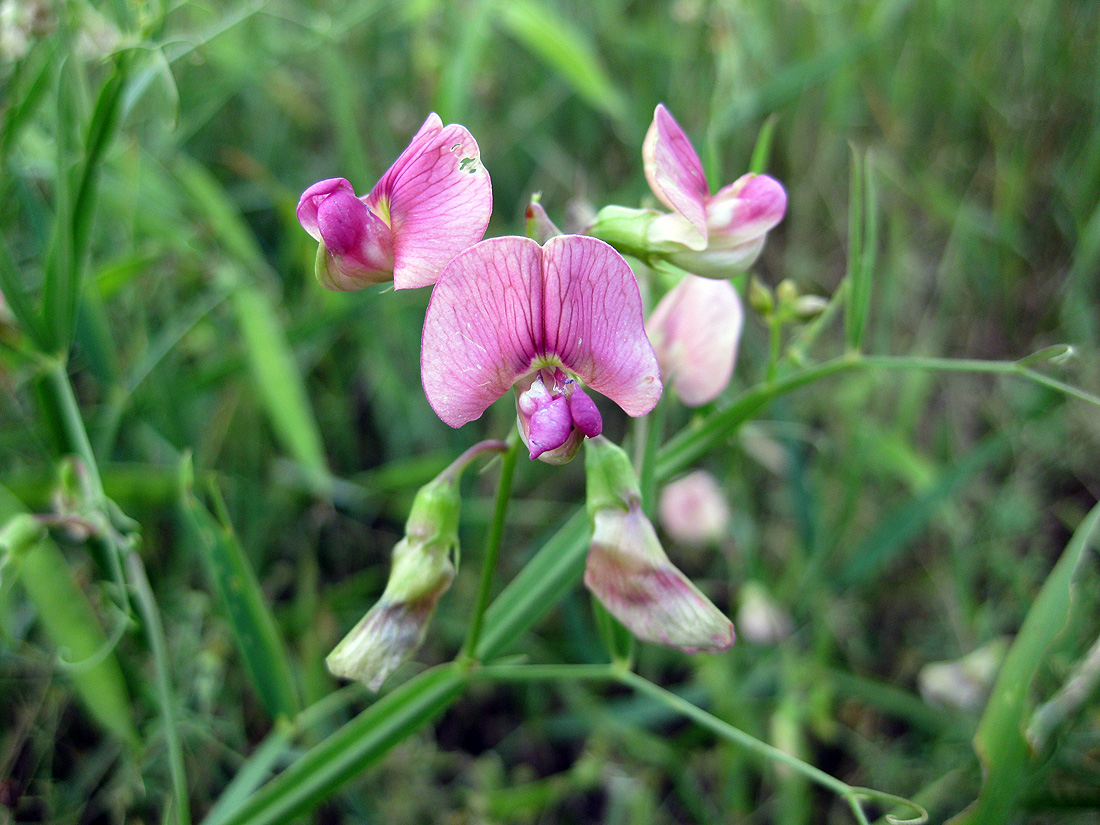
<point x="121" y="623"/>
<point x="918" y="815"/>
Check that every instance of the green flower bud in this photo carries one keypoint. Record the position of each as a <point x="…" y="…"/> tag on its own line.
<point x="625" y="229"/>
<point x="421" y="573"/>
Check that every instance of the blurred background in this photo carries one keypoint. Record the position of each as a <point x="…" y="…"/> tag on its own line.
<point x="897" y="519"/>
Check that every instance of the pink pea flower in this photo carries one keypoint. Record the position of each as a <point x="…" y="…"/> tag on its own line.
<point x="508" y="312"/>
<point x="694" y="510"/>
<point x="628" y="570"/>
<point x="695" y="329"/>
<point x="432" y="203"/>
<point x="710" y="235"/>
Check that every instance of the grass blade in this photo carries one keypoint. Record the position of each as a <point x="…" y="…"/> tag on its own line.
<point x="566" y="50"/>
<point x="280" y="385"/>
<point x="68" y="620"/>
<point x="354" y="747"/>
<point x="244" y="604"/>
<point x="1000" y="741"/>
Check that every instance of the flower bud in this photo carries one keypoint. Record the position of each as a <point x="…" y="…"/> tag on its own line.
<point x="539" y="227"/>
<point x="761" y="298"/>
<point x="422" y="571"/>
<point x="693" y="509"/>
<point x="627" y="569"/>
<point x="762" y="620"/>
<point x="628" y="230"/>
<point x="964" y="683"/>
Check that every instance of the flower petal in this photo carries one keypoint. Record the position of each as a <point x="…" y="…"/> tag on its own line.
<point x="594" y="322"/>
<point x="483" y="328"/>
<point x="695" y="330"/>
<point x="628" y="571"/>
<point x="312" y="199"/>
<point x="675" y="174"/>
<point x="438" y="199"/>
<point x="745" y="210"/>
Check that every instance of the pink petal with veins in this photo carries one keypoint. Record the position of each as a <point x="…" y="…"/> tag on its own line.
<point x="438" y="198"/>
<point x="695" y="330"/>
<point x="594" y="323"/>
<point x="506" y="305"/>
<point x="675" y="174"/>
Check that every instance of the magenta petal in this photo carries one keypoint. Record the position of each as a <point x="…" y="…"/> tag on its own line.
<point x="312" y="199"/>
<point x="586" y="416"/>
<point x="549" y="427"/>
<point x="594" y="323"/>
<point x="675" y="174"/>
<point x="745" y="210"/>
<point x="695" y="330"/>
<point x="483" y="327"/>
<point x="342" y="220"/>
<point x="438" y="199"/>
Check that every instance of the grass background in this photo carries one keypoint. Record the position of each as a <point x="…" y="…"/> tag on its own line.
<point x="901" y="518"/>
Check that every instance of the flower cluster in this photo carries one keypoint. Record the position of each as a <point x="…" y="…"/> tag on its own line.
<point x="552" y="317"/>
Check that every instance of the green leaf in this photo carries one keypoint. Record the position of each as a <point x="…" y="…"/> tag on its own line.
<point x="68" y="619"/>
<point x="862" y="249"/>
<point x="1000" y="742"/>
<point x="243" y="601"/>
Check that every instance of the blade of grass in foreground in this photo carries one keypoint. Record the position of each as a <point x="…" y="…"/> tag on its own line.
<point x="1000" y="742"/>
<point x="353" y="748"/>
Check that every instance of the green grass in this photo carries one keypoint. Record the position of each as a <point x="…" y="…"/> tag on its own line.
<point x="942" y="163"/>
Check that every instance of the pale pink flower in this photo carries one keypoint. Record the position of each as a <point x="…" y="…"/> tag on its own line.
<point x="628" y="570"/>
<point x="432" y="203"/>
<point x="695" y="330"/>
<point x="710" y="235"/>
<point x="693" y="509"/>
<point x="508" y="312"/>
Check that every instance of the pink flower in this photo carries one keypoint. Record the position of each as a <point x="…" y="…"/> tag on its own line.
<point x="710" y="235"/>
<point x="508" y="312"/>
<point x="432" y="203"/>
<point x="628" y="570"/>
<point x="695" y="330"/>
<point x="693" y="509"/>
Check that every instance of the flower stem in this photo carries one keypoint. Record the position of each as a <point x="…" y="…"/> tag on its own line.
<point x="850" y="794"/>
<point x="58" y="394"/>
<point x="492" y="544"/>
<point x="649" y="432"/>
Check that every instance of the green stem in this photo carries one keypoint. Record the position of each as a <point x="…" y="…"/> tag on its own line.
<point x="650" y="434"/>
<point x="730" y="733"/>
<point x="154" y="631"/>
<point x="852" y="795"/>
<point x="775" y="345"/>
<point x="62" y="399"/>
<point x="492" y="544"/>
<point x="694" y="440"/>
<point x="74" y="436"/>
